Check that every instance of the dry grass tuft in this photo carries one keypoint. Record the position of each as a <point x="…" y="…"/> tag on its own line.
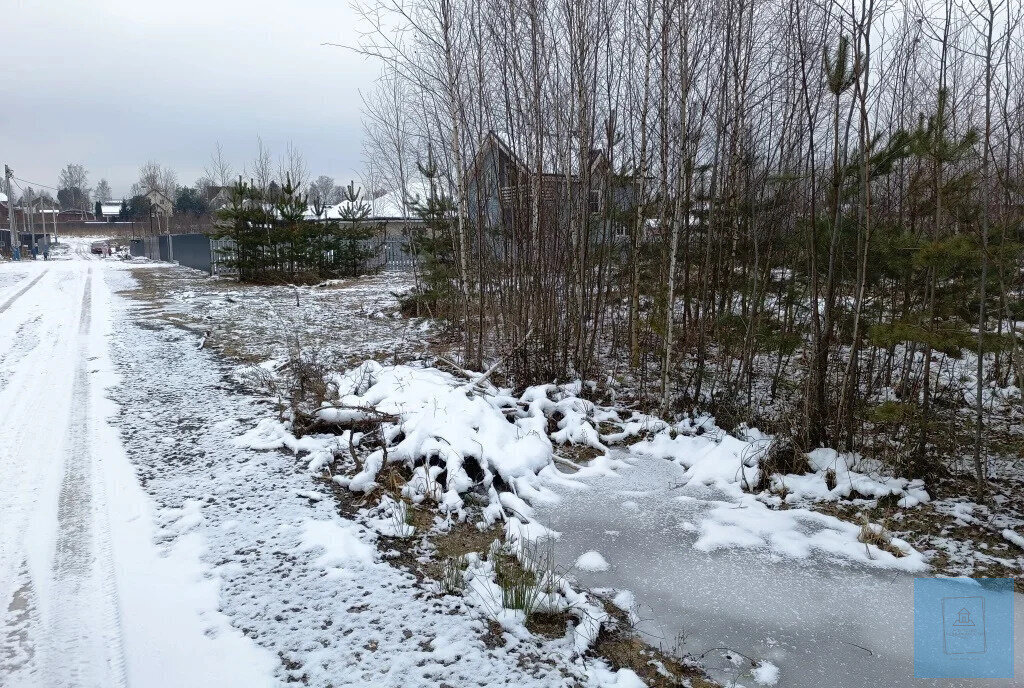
<point x="878" y="536"/>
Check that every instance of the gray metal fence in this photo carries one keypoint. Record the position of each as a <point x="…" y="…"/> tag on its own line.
<point x="396" y="254"/>
<point x="152" y="247"/>
<point x="193" y="250"/>
<point x="24" y="239"/>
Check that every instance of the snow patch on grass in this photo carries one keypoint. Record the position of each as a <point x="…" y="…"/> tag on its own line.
<point x="795" y="533"/>
<point x="731" y="467"/>
<point x="849" y="482"/>
<point x="712" y="458"/>
<point x="607" y="678"/>
<point x="1013" y="537"/>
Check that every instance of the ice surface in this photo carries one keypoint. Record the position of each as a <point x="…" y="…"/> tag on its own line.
<point x="827" y="619"/>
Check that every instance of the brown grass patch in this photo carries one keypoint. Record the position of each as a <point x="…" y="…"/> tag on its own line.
<point x="548" y="624"/>
<point x="784" y="457"/>
<point x="419" y="517"/>
<point x="626" y="651"/>
<point x="494" y="637"/>
<point x="925" y="528"/>
<point x="579" y="453"/>
<point x="622" y="648"/>
<point x="461" y="539"/>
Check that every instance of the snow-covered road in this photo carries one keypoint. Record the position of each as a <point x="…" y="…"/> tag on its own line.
<point x="824" y="621"/>
<point x="85" y="598"/>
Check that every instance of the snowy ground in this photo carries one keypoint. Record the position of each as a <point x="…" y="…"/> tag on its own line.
<point x="304" y="582"/>
<point x="343" y="321"/>
<point x="153" y="531"/>
<point x="141" y="546"/>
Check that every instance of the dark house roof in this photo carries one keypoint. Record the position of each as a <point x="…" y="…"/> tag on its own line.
<point x="555" y="163"/>
<point x="212" y="191"/>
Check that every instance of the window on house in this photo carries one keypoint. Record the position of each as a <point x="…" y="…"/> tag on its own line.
<point x="595" y="201"/>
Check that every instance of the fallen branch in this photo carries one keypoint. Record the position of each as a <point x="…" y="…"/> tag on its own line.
<point x="490" y="371"/>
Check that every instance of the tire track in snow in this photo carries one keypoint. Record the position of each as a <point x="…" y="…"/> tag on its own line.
<point x="73" y="555"/>
<point x="25" y="455"/>
<point x="87" y="648"/>
<point x="26" y="339"/>
<point x="21" y="292"/>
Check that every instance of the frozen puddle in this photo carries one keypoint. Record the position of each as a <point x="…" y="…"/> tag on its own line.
<point x="822" y="620"/>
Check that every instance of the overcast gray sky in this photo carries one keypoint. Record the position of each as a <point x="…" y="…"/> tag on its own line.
<point x="114" y="83"/>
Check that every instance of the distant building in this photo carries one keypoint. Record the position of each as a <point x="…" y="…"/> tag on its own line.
<point x="75" y="215"/>
<point x="216" y="197"/>
<point x="5" y="213"/>
<point x="388" y="210"/>
<point x="108" y="211"/>
<point x="160" y="202"/>
<point x="500" y="184"/>
<point x="161" y="208"/>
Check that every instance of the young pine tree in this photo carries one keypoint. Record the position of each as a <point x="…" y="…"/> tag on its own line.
<point x="353" y="246"/>
<point x="434" y="245"/>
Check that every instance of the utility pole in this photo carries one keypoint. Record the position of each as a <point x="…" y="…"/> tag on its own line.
<point x="30" y="223"/>
<point x="31" y="230"/>
<point x="8" y="174"/>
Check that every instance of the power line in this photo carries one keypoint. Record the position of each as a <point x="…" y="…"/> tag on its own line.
<point x="45" y="186"/>
<point x="19" y="186"/>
